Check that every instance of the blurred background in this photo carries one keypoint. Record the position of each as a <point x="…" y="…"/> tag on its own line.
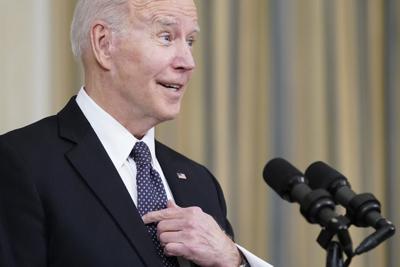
<point x="305" y="80"/>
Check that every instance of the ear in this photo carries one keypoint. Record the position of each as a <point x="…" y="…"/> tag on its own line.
<point x="101" y="43"/>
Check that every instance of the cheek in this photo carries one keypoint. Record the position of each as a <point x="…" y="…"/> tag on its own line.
<point x="130" y="67"/>
<point x="126" y="53"/>
<point x="131" y="58"/>
<point x="157" y="60"/>
<point x="141" y="65"/>
<point x="138" y="65"/>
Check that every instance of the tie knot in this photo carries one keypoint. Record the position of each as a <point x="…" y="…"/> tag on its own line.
<point x="141" y="153"/>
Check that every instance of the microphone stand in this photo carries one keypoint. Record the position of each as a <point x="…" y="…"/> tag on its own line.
<point x="335" y="249"/>
<point x="334" y="256"/>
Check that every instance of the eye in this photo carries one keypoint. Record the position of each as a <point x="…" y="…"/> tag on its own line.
<point x="191" y="41"/>
<point x="165" y="38"/>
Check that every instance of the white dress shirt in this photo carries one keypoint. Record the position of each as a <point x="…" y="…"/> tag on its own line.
<point x="118" y="143"/>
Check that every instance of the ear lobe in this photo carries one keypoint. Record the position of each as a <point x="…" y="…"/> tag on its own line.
<point x="101" y="42"/>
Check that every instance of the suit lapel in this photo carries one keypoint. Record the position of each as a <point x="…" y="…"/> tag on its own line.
<point x="185" y="191"/>
<point x="95" y="167"/>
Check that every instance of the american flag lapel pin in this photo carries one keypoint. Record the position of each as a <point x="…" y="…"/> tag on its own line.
<point x="181" y="175"/>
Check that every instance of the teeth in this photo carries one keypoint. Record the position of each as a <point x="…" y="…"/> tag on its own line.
<point x="172" y="86"/>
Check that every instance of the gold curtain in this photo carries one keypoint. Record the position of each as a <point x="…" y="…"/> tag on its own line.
<point x="305" y="80"/>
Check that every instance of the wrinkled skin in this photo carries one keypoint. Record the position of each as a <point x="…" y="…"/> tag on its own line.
<point x="139" y="76"/>
<point x="194" y="235"/>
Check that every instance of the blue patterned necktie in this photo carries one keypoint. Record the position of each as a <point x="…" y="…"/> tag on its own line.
<point x="151" y="195"/>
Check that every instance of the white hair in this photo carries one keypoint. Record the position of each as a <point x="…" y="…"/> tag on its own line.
<point x="113" y="12"/>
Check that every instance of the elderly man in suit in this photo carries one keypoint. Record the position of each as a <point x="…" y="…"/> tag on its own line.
<point x="91" y="186"/>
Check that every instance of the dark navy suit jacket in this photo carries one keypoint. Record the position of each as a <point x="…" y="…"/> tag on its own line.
<point x="62" y="202"/>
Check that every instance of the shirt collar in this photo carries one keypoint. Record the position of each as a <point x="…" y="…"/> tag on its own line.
<point x="116" y="139"/>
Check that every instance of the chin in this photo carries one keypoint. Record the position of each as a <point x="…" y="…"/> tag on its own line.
<point x="170" y="114"/>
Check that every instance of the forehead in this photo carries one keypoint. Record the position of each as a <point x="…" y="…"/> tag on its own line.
<point x="163" y="10"/>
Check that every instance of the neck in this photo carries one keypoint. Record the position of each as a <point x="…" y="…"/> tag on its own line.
<point x="99" y="91"/>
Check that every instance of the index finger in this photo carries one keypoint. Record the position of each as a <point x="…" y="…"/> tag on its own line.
<point x="159" y="215"/>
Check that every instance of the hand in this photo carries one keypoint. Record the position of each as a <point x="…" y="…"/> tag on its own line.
<point x="194" y="235"/>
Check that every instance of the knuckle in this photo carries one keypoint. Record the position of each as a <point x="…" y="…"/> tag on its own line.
<point x="187" y="224"/>
<point x="168" y="249"/>
<point x="191" y="223"/>
<point x="194" y="212"/>
<point x="162" y="237"/>
<point x="163" y="214"/>
<point x="197" y="210"/>
<point x="209" y="217"/>
<point x="160" y="226"/>
<point x="190" y="234"/>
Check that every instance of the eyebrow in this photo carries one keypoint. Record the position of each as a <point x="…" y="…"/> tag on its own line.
<point x="170" y="21"/>
<point x="166" y="21"/>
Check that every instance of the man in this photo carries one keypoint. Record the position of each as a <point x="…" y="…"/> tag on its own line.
<point x="90" y="186"/>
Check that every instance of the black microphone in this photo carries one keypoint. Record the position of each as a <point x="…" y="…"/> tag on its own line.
<point x="362" y="209"/>
<point x="317" y="206"/>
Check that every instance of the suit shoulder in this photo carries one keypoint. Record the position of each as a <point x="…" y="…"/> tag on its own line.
<point x="37" y="132"/>
<point x="38" y="126"/>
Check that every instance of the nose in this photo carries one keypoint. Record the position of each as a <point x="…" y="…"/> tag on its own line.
<point x="183" y="59"/>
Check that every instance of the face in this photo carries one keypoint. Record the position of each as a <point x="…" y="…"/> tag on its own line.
<point x="152" y="59"/>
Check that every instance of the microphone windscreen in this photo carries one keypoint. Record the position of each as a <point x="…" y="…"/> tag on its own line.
<point x="321" y="175"/>
<point x="278" y="174"/>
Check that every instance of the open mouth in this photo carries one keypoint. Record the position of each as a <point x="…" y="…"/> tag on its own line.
<point x="171" y="86"/>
